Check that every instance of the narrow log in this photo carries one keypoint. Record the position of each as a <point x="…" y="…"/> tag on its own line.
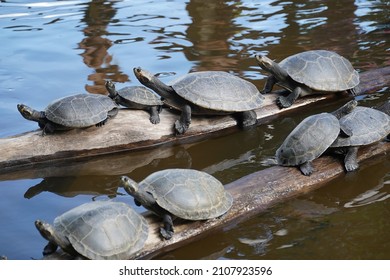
<point x="252" y="194"/>
<point x="131" y="130"/>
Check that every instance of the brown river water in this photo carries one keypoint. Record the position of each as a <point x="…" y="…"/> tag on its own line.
<point x="56" y="48"/>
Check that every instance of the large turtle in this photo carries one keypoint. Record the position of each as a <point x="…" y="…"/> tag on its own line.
<point x="311" y="138"/>
<point x="305" y="73"/>
<point x="206" y="93"/>
<point x="75" y="111"/>
<point x="96" y="230"/>
<point x="185" y="193"/>
<point x="137" y="97"/>
<point x="368" y="126"/>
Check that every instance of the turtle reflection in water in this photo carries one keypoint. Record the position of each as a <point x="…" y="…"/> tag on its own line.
<point x="75" y="111"/>
<point x="184" y="193"/>
<point x="96" y="230"/>
<point x="305" y="73"/>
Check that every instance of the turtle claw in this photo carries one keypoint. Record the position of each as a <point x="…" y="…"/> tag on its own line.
<point x="283" y="102"/>
<point x="351" y="166"/>
<point x="167" y="234"/>
<point x="154" y="119"/>
<point x="180" y="128"/>
<point x="307" y="168"/>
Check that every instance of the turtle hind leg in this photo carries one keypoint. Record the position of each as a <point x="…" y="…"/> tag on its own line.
<point x="306" y="168"/>
<point x="167" y="230"/>
<point x="246" y="119"/>
<point x="154" y="114"/>
<point x="350" y="161"/>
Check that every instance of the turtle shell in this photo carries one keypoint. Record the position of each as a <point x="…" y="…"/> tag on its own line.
<point x="321" y="70"/>
<point x="80" y="110"/>
<point x="188" y="194"/>
<point x="367" y="126"/>
<point x="308" y="140"/>
<point x="140" y="95"/>
<point x="103" y="230"/>
<point x="219" y="91"/>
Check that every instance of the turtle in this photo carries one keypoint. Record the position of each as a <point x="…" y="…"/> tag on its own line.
<point x="184" y="193"/>
<point x="368" y="126"/>
<point x="206" y="93"/>
<point x="137" y="97"/>
<point x="311" y="138"/>
<point x="74" y="111"/>
<point x="309" y="72"/>
<point x="96" y="230"/>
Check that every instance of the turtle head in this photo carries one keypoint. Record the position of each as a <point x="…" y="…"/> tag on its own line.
<point x="345" y="109"/>
<point x="145" y="77"/>
<point x="45" y="229"/>
<point x="110" y="86"/>
<point x="264" y="62"/>
<point x="130" y="186"/>
<point x="27" y="112"/>
<point x="272" y="67"/>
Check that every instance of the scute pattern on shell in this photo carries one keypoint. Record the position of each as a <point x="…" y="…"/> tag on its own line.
<point x="308" y="140"/>
<point x="140" y="95"/>
<point x="80" y="110"/>
<point x="321" y="70"/>
<point x="188" y="194"/>
<point x="367" y="125"/>
<point x="104" y="230"/>
<point x="218" y="90"/>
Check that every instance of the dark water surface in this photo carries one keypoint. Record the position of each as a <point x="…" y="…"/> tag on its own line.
<point x="55" y="48"/>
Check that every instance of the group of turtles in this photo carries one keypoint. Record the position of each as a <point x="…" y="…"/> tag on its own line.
<point x="202" y="93"/>
<point x="113" y="230"/>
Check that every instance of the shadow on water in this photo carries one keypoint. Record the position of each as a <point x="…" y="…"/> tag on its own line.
<point x="114" y="36"/>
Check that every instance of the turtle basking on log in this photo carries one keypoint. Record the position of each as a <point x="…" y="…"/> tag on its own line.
<point x="206" y="93"/>
<point x="310" y="72"/>
<point x="74" y="111"/>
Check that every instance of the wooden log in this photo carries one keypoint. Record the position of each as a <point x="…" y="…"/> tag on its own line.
<point x="131" y="130"/>
<point x="252" y="194"/>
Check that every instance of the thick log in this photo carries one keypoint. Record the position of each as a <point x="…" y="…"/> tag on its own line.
<point x="131" y="130"/>
<point x="253" y="194"/>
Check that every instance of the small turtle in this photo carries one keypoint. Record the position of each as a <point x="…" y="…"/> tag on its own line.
<point x="75" y="111"/>
<point x="185" y="193"/>
<point x="137" y="97"/>
<point x="206" y="93"/>
<point x="309" y="72"/>
<point x="368" y="126"/>
<point x="311" y="138"/>
<point x="96" y="230"/>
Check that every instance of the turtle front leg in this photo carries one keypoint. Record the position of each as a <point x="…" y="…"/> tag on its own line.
<point x="50" y="248"/>
<point x="154" y="114"/>
<point x="285" y="102"/>
<point x="182" y="124"/>
<point x="269" y="84"/>
<point x="167" y="230"/>
<point x="306" y="168"/>
<point x="350" y="160"/>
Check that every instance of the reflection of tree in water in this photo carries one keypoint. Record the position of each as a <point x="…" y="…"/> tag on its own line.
<point x="210" y="33"/>
<point x="97" y="16"/>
